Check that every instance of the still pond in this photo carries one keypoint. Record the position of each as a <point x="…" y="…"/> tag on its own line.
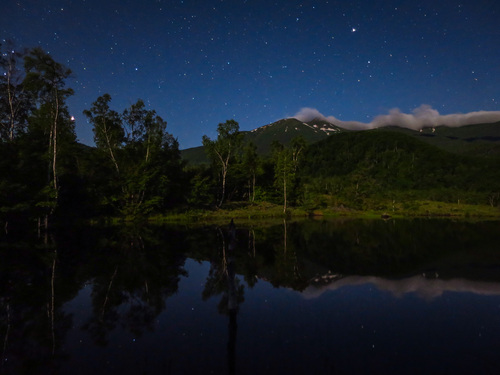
<point x="284" y="297"/>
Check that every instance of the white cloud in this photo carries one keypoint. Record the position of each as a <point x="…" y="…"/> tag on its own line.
<point x="421" y="117"/>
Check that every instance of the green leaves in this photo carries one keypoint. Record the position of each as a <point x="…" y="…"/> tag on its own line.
<point x="222" y="150"/>
<point x="146" y="159"/>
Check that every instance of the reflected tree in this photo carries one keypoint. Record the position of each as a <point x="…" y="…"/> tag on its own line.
<point x="131" y="289"/>
<point x="287" y="264"/>
<point x="222" y="279"/>
<point x="33" y="325"/>
<point x="222" y="274"/>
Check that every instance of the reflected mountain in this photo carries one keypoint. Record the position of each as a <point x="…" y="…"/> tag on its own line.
<point x="424" y="287"/>
<point x="123" y="279"/>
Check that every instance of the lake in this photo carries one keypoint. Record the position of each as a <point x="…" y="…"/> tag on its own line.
<point x="277" y="297"/>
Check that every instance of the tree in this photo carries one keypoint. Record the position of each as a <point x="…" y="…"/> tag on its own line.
<point x="283" y="170"/>
<point x="298" y="146"/>
<point x="152" y="162"/>
<point x="15" y="105"/>
<point x="108" y="130"/>
<point x="286" y="163"/>
<point x="251" y="165"/>
<point x="223" y="149"/>
<point x="45" y="79"/>
<point x="145" y="158"/>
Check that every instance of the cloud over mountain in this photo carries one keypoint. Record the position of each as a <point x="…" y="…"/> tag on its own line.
<point x="421" y="117"/>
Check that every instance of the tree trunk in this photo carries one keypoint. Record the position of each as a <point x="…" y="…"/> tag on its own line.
<point x="11" y="104"/>
<point x="253" y="188"/>
<point x="284" y="190"/>
<point x="52" y="303"/>
<point x="54" y="134"/>
<point x="109" y="147"/>
<point x="223" y="194"/>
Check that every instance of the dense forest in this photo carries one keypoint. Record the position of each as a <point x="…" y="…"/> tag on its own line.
<point x="135" y="168"/>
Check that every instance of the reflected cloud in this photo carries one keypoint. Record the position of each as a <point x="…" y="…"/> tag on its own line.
<point x="425" y="288"/>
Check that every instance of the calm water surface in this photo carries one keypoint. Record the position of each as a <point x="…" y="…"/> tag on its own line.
<point x="309" y="297"/>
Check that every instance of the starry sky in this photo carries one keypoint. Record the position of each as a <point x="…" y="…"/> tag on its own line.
<point x="201" y="62"/>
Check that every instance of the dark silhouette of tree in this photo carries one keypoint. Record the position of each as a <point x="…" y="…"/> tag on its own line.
<point x="46" y="80"/>
<point x="222" y="150"/>
<point x="108" y="130"/>
<point x="15" y="105"/>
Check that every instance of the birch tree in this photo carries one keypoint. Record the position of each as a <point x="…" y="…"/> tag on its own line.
<point x="251" y="165"/>
<point x="222" y="150"/>
<point x="107" y="127"/>
<point x="15" y="105"/>
<point x="149" y="149"/>
<point x="50" y="125"/>
<point x="46" y="80"/>
<point x="286" y="164"/>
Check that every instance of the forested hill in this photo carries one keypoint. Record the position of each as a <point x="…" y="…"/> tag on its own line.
<point x="477" y="139"/>
<point x="282" y="131"/>
<point x="383" y="159"/>
<point x="473" y="140"/>
<point x="136" y="168"/>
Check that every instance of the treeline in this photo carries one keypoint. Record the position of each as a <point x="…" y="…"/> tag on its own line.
<point x="361" y="169"/>
<point x="136" y="170"/>
<point x="47" y="175"/>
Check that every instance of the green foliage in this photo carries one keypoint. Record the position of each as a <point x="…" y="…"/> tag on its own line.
<point x="136" y="167"/>
<point x="222" y="151"/>
<point x="50" y="123"/>
<point x="378" y="164"/>
<point x="15" y="103"/>
<point x="143" y="158"/>
<point x="107" y="127"/>
<point x="473" y="140"/>
<point x="286" y="162"/>
<point x="250" y="164"/>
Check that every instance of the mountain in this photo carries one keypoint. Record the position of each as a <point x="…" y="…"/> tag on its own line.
<point x="285" y="130"/>
<point x="282" y="131"/>
<point x="377" y="160"/>
<point x="474" y="140"/>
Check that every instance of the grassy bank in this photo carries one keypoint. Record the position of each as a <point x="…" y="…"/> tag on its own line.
<point x="264" y="210"/>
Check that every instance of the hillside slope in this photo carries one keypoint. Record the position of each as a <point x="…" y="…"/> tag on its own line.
<point x="282" y="131"/>
<point x="383" y="159"/>
<point x="285" y="130"/>
<point x="471" y="140"/>
<point x="477" y="139"/>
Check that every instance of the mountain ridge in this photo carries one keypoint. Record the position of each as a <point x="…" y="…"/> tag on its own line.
<point x="475" y="139"/>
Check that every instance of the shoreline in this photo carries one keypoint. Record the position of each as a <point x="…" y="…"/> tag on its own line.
<point x="264" y="210"/>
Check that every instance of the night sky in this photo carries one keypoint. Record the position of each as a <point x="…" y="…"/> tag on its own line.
<point x="201" y="62"/>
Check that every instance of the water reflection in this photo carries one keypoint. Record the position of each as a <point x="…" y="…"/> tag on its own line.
<point x="222" y="280"/>
<point x="133" y="278"/>
<point x="421" y="285"/>
<point x="121" y="286"/>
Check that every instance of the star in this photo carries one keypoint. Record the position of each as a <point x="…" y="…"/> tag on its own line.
<point x="232" y="52"/>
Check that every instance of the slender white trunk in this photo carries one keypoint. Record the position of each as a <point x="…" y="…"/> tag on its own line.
<point x="54" y="134"/>
<point x="284" y="190"/>
<point x="110" y="148"/>
<point x="52" y="303"/>
<point x="103" y="309"/>
<point x="253" y="187"/>
<point x="11" y="102"/>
